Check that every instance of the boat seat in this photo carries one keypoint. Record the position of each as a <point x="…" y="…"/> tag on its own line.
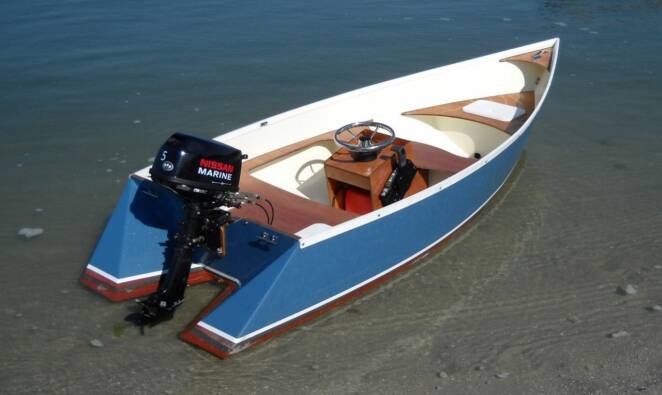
<point x="524" y="101"/>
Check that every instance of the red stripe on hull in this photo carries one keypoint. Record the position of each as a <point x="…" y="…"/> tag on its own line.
<point x="133" y="289"/>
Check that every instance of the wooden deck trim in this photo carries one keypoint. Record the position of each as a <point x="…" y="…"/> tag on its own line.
<point x="525" y="100"/>
<point x="541" y="57"/>
<point x="433" y="158"/>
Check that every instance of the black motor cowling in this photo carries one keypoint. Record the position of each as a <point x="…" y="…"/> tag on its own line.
<point x="192" y="165"/>
<point x="204" y="175"/>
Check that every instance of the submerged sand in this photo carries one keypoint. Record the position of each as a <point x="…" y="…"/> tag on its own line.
<point x="552" y="290"/>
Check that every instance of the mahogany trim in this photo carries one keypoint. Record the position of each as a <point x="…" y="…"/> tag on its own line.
<point x="433" y="158"/>
<point x="525" y="100"/>
<point x="541" y="57"/>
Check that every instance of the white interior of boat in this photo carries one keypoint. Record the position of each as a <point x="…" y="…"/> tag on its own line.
<point x="302" y="172"/>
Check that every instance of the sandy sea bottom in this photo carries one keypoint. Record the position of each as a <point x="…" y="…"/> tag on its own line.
<point x="523" y="302"/>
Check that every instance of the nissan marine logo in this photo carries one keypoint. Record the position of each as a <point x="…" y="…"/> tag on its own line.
<point x="167" y="166"/>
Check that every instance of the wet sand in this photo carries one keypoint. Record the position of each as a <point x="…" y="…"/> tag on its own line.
<point x="523" y="301"/>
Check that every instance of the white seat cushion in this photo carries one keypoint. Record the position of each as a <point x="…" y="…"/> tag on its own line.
<point x="494" y="110"/>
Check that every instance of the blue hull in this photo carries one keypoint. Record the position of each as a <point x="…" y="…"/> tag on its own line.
<point x="306" y="279"/>
<point x="280" y="285"/>
<point x="275" y="281"/>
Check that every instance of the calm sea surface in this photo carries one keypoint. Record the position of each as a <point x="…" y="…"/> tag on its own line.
<point x="90" y="89"/>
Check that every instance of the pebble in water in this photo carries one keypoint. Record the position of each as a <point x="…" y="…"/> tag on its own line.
<point x="442" y="375"/>
<point x="29" y="233"/>
<point x="39" y="210"/>
<point x="136" y="121"/>
<point x="618" y="334"/>
<point x="96" y="343"/>
<point x="502" y="375"/>
<point x="629" y="289"/>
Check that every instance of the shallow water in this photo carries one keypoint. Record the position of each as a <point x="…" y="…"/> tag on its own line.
<point x="91" y="89"/>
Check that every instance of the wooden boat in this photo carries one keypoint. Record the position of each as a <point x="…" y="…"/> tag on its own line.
<point x="327" y="233"/>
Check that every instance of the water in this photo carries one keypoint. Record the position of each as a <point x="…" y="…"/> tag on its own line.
<point x="89" y="90"/>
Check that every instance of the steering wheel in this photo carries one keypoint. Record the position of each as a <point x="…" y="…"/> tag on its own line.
<point x="361" y="145"/>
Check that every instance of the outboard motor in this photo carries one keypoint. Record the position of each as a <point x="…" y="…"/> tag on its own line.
<point x="204" y="174"/>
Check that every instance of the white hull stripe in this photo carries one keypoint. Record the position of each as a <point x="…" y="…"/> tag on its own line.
<point x="220" y="273"/>
<point x="131" y="278"/>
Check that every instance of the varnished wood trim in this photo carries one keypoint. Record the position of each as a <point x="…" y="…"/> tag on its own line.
<point x="525" y="100"/>
<point x="541" y="57"/>
<point x="433" y="158"/>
